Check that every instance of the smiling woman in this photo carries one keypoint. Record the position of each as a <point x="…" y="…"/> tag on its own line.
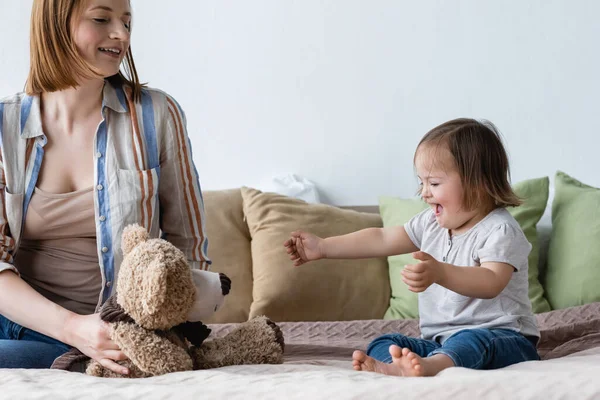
<point x="80" y="32"/>
<point x="85" y="152"/>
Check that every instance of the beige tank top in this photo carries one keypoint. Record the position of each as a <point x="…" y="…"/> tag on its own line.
<point x="58" y="255"/>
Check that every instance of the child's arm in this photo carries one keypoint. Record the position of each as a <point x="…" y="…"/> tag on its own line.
<point x="484" y="282"/>
<point x="371" y="242"/>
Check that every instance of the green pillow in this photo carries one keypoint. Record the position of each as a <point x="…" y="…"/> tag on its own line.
<point x="573" y="270"/>
<point x="534" y="193"/>
<point x="395" y="211"/>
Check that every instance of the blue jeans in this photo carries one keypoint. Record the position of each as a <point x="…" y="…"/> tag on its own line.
<point x="23" y="348"/>
<point x="470" y="348"/>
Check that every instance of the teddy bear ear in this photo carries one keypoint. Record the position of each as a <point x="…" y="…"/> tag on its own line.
<point x="132" y="236"/>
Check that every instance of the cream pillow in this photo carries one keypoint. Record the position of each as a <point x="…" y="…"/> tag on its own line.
<point x="229" y="250"/>
<point x="326" y="290"/>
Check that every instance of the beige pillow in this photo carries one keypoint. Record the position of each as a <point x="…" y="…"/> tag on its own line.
<point x="326" y="290"/>
<point x="229" y="250"/>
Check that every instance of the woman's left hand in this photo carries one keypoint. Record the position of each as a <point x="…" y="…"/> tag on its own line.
<point x="420" y="276"/>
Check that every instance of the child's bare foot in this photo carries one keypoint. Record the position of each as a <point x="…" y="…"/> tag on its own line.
<point x="404" y="363"/>
<point x="362" y="362"/>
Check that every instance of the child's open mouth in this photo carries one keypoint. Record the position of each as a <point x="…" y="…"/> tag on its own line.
<point x="438" y="210"/>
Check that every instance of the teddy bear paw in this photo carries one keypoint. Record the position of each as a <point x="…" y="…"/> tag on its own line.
<point x="278" y="333"/>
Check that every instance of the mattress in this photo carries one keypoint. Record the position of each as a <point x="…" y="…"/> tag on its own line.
<point x="318" y="365"/>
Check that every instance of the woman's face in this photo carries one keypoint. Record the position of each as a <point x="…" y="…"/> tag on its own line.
<point x="102" y="33"/>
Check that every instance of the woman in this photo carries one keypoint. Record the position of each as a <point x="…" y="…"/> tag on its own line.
<point x="85" y="152"/>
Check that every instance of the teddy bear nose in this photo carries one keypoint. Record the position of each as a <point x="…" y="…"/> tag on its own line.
<point x="225" y="284"/>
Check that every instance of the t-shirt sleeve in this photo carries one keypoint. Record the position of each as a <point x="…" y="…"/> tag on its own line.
<point x="415" y="227"/>
<point x="506" y="244"/>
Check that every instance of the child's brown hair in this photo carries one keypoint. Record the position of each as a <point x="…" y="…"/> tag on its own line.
<point x="480" y="158"/>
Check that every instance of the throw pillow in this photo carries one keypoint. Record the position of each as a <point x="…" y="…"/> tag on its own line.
<point x="395" y="212"/>
<point x="325" y="290"/>
<point x="229" y="251"/>
<point x="534" y="193"/>
<point x="573" y="270"/>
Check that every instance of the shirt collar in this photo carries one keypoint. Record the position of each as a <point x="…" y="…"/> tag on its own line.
<point x="31" y="116"/>
<point x="114" y="98"/>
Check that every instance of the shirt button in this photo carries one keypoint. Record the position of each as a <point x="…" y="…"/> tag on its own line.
<point x="98" y="155"/>
<point x="105" y="249"/>
<point x="108" y="283"/>
<point x="102" y="218"/>
<point x="99" y="187"/>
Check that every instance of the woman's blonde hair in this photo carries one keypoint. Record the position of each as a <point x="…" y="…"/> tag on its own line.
<point x="480" y="158"/>
<point x="55" y="62"/>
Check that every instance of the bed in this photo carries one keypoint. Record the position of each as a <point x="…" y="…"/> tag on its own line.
<point x="318" y="366"/>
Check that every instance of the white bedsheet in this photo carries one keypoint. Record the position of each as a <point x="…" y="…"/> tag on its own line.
<point x="573" y="377"/>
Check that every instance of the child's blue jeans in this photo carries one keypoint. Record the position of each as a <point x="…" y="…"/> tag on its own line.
<point x="23" y="348"/>
<point x="469" y="348"/>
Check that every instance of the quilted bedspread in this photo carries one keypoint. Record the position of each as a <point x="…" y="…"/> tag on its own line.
<point x="318" y="366"/>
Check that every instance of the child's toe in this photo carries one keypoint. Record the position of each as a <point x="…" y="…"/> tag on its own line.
<point x="395" y="351"/>
<point x="358" y="356"/>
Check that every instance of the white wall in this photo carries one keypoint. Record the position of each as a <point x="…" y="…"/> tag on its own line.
<point x="341" y="91"/>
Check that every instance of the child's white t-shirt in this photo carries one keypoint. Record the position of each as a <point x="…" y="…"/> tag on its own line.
<point x="496" y="238"/>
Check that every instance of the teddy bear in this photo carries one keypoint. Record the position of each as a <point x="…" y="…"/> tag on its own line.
<point x="154" y="316"/>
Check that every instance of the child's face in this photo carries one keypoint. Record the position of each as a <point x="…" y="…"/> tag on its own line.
<point x="442" y="188"/>
<point x="102" y="34"/>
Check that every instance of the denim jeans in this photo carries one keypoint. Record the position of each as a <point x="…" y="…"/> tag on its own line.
<point x="470" y="348"/>
<point x="23" y="348"/>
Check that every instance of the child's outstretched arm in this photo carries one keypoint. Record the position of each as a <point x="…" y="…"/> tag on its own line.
<point x="484" y="282"/>
<point x="366" y="243"/>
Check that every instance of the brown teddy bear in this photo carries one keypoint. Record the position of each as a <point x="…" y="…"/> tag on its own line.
<point x="149" y="317"/>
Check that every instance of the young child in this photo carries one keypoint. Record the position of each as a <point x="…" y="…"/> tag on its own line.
<point x="471" y="273"/>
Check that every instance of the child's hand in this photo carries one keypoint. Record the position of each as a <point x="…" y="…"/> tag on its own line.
<point x="420" y="276"/>
<point x="304" y="247"/>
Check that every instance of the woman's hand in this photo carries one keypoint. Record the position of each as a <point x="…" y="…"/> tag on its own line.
<point x="90" y="335"/>
<point x="304" y="247"/>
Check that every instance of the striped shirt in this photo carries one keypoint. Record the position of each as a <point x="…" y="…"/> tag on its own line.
<point x="143" y="173"/>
